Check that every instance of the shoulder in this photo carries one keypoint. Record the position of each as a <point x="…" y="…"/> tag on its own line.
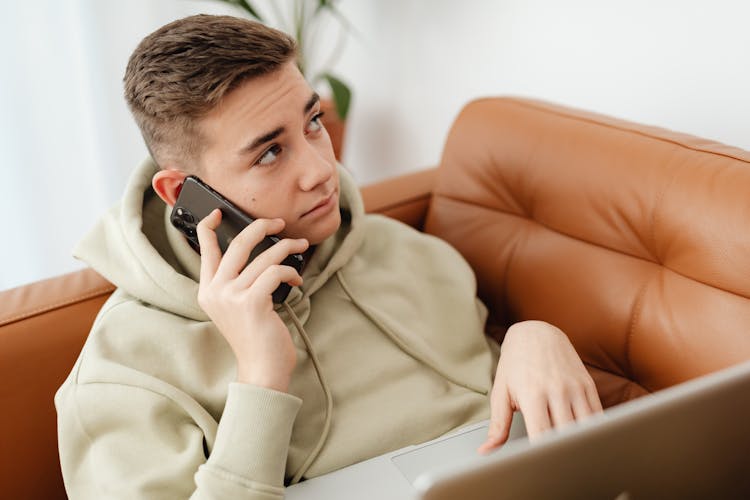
<point x="393" y="236"/>
<point x="126" y="319"/>
<point x="391" y="245"/>
<point x="137" y="344"/>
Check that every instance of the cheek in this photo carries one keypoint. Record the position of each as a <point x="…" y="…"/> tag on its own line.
<point x="324" y="145"/>
<point x="272" y="200"/>
<point x="256" y="203"/>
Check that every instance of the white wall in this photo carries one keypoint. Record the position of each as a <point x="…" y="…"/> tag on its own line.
<point x="680" y="64"/>
<point x="67" y="142"/>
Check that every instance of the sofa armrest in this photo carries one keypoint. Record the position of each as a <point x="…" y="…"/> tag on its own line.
<point x="44" y="297"/>
<point x="42" y="328"/>
<point x="405" y="197"/>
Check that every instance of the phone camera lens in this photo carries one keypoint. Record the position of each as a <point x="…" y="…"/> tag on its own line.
<point x="184" y="215"/>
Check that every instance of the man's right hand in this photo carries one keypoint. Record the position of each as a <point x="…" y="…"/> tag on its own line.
<point x="237" y="298"/>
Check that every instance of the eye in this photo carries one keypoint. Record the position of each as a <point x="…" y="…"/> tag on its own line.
<point x="269" y="156"/>
<point x="315" y="124"/>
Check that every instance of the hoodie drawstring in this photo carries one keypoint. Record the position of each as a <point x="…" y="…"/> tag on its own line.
<point x="329" y="399"/>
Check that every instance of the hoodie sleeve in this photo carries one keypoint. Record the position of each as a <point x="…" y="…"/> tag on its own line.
<point x="121" y="441"/>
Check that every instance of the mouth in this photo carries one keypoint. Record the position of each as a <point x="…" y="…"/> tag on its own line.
<point x="324" y="206"/>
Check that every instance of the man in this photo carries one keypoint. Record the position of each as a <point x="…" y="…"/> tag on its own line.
<point x="193" y="383"/>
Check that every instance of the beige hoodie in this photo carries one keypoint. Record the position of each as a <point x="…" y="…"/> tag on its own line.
<point x="390" y="351"/>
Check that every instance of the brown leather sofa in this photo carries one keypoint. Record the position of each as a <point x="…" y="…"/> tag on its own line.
<point x="634" y="240"/>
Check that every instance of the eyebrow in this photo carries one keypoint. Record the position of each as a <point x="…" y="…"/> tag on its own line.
<point x="314" y="98"/>
<point x="268" y="137"/>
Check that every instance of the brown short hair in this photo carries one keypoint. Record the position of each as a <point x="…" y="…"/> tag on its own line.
<point x="181" y="71"/>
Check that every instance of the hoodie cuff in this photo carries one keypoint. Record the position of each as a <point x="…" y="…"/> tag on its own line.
<point x="252" y="439"/>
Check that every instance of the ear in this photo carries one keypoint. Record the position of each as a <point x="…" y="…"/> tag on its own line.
<point x="167" y="184"/>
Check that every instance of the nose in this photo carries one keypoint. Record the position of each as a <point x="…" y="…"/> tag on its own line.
<point x="315" y="168"/>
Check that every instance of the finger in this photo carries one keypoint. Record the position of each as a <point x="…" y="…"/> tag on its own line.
<point x="235" y="258"/>
<point x="593" y="398"/>
<point x="270" y="279"/>
<point x="209" y="247"/>
<point x="560" y="411"/>
<point x="580" y="405"/>
<point x="501" y="417"/>
<point x="274" y="255"/>
<point x="535" y="415"/>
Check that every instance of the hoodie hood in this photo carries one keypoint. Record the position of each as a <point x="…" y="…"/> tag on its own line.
<point x="135" y="247"/>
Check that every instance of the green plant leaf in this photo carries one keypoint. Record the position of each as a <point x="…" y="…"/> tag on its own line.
<point x="342" y="96"/>
<point x="322" y="4"/>
<point x="250" y="9"/>
<point x="246" y="6"/>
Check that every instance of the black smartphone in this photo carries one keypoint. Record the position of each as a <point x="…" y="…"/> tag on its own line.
<point x="197" y="199"/>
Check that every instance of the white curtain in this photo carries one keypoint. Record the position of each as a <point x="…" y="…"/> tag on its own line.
<point x="67" y="141"/>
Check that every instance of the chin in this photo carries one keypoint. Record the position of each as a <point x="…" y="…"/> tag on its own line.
<point x="324" y="230"/>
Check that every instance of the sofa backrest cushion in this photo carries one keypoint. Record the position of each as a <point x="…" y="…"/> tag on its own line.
<point x="632" y="239"/>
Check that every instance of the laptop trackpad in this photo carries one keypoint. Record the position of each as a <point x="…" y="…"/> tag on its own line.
<point x="454" y="449"/>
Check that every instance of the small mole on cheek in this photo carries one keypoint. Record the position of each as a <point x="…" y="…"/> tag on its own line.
<point x="253" y="199"/>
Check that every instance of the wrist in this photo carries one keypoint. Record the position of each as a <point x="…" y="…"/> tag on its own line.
<point x="268" y="381"/>
<point x="534" y="327"/>
<point x="532" y="332"/>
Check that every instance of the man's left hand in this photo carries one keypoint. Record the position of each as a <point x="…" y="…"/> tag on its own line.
<point x="541" y="375"/>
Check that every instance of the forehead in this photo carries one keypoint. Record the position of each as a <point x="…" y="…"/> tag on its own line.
<point x="256" y="107"/>
<point x="278" y="92"/>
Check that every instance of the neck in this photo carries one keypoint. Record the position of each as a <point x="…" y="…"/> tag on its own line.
<point x="307" y="256"/>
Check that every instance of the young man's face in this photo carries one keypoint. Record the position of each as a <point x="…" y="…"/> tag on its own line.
<point x="268" y="153"/>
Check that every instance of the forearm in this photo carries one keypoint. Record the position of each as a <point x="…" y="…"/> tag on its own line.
<point x="252" y="439"/>
<point x="119" y="441"/>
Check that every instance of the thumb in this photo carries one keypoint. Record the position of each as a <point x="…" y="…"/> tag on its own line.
<point x="501" y="417"/>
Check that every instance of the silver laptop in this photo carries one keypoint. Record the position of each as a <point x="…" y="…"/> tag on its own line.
<point x="688" y="441"/>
